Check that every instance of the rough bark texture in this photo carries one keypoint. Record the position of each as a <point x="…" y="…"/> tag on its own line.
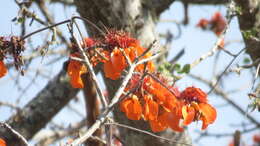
<point x="138" y="18"/>
<point x="249" y="22"/>
<point x="39" y="111"/>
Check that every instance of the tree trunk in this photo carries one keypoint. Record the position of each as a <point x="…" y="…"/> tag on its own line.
<point x="139" y="18"/>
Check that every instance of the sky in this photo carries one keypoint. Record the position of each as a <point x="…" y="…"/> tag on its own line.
<point x="195" y="41"/>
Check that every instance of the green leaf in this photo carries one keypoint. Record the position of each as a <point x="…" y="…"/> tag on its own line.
<point x="177" y="67"/>
<point x="161" y="68"/>
<point x="246" y="60"/>
<point x="20" y="20"/>
<point x="185" y="69"/>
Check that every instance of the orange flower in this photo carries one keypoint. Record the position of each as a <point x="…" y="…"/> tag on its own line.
<point x="196" y="107"/>
<point x="155" y="89"/>
<point x="75" y="70"/>
<point x="118" y="60"/>
<point x="132" y="108"/>
<point x="110" y="72"/>
<point x="150" y="108"/>
<point x="115" y="65"/>
<point x="3" y="69"/>
<point x="160" y="93"/>
<point x="173" y="120"/>
<point x="2" y="142"/>
<point x="171" y="101"/>
<point x="188" y="113"/>
<point x="160" y="124"/>
<point x="137" y="50"/>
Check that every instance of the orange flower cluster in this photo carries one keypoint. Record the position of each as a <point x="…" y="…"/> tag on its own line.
<point x="153" y="98"/>
<point x="112" y="51"/>
<point x="195" y="107"/>
<point x="164" y="106"/>
<point x="117" y="61"/>
<point x="217" y="23"/>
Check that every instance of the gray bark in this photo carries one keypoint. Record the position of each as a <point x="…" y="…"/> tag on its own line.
<point x="40" y="110"/>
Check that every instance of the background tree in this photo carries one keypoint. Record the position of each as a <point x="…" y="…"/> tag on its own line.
<point x="139" y="18"/>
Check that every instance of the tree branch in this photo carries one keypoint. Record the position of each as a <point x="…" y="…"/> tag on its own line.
<point x="41" y="109"/>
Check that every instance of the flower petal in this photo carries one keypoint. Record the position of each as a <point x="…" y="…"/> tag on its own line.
<point x="124" y="104"/>
<point x="188" y="113"/>
<point x="2" y="142"/>
<point x="110" y="72"/>
<point x="132" y="108"/>
<point x="151" y="109"/>
<point x="75" y="70"/>
<point x="3" y="69"/>
<point x="160" y="124"/>
<point x="209" y="114"/>
<point x="173" y="121"/>
<point x="118" y="60"/>
<point x="76" y="81"/>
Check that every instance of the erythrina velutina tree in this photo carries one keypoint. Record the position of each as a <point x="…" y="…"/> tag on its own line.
<point x="144" y="101"/>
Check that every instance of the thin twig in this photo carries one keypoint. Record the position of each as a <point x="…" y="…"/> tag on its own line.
<point x="230" y="63"/>
<point x="60" y="23"/>
<point x="92" y="72"/>
<point x="220" y="92"/>
<point x="146" y="132"/>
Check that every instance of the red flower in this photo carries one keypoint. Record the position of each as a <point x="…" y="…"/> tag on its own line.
<point x="218" y="23"/>
<point x="89" y="42"/>
<point x="195" y="107"/>
<point x="194" y="94"/>
<point x="119" y="39"/>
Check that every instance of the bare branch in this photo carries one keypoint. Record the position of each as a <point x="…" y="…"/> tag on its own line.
<point x="38" y="112"/>
<point x="146" y="132"/>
